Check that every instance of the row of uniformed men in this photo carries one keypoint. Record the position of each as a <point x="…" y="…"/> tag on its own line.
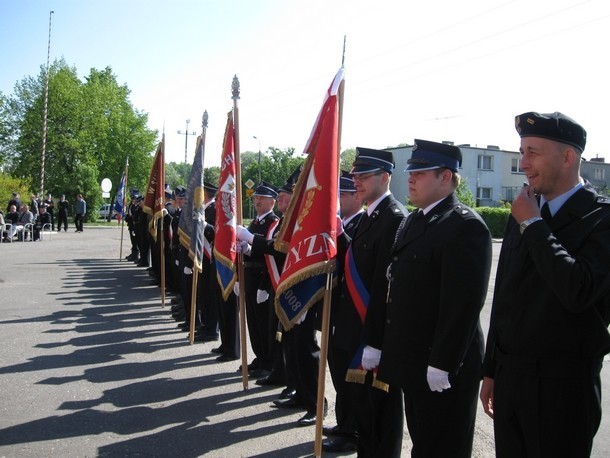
<point x="405" y="331"/>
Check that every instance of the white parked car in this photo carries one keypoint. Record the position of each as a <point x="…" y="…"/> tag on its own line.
<point x="105" y="210"/>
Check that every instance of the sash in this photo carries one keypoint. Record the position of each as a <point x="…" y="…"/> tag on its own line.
<point x="360" y="298"/>
<point x="357" y="374"/>
<point x="355" y="286"/>
<point x="274" y="272"/>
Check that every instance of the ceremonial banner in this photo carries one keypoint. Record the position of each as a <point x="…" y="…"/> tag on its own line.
<point x="308" y="234"/>
<point x="155" y="191"/>
<point x="192" y="220"/>
<point x="224" y="241"/>
<point x="119" y="204"/>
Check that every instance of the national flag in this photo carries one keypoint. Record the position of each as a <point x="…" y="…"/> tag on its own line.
<point x="224" y="240"/>
<point x="119" y="204"/>
<point x="154" y="198"/>
<point x="308" y="234"/>
<point x="192" y="219"/>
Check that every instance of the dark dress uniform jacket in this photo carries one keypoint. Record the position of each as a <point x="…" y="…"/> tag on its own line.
<point x="551" y="294"/>
<point x="371" y="247"/>
<point x="439" y="278"/>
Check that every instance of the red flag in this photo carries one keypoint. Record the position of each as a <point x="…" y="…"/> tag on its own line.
<point x="224" y="239"/>
<point x="309" y="231"/>
<point x="154" y="203"/>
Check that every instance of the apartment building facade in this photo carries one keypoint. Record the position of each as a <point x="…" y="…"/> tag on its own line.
<point x="493" y="175"/>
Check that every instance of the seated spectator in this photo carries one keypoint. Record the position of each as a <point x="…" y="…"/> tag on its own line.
<point x="12" y="217"/>
<point x="25" y="217"/>
<point x="43" y="218"/>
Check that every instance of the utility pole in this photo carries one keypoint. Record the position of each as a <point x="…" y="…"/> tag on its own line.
<point x="44" y="115"/>
<point x="186" y="140"/>
<point x="259" y="157"/>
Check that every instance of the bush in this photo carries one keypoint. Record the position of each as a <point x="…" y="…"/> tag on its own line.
<point x="495" y="218"/>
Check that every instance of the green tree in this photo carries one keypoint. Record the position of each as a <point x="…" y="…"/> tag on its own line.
<point x="464" y="194"/>
<point x="92" y="129"/>
<point x="347" y="159"/>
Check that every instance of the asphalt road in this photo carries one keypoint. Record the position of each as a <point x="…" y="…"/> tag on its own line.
<point x="92" y="365"/>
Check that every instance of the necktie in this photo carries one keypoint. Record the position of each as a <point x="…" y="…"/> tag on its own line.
<point x="545" y="212"/>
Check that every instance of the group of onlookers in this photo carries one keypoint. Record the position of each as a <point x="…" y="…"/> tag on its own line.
<point x="23" y="221"/>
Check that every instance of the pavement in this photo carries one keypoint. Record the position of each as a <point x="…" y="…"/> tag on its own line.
<point x="93" y="365"/>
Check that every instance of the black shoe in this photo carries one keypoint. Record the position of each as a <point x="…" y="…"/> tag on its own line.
<point x="217" y="350"/>
<point x="290" y="403"/>
<point x="288" y="393"/>
<point x="259" y="373"/>
<point x="338" y="445"/>
<point x="210" y="338"/>
<point x="142" y="264"/>
<point x="225" y="358"/>
<point x="252" y="366"/>
<point x="331" y="430"/>
<point x="270" y="380"/>
<point x="309" y="419"/>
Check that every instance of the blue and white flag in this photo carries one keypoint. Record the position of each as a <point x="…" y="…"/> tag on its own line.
<point x="119" y="204"/>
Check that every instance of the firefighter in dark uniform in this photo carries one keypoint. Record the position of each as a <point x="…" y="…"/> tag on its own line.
<point x="343" y="434"/>
<point x="551" y="309"/>
<point x="379" y="415"/>
<point x="143" y="234"/>
<point x="427" y="327"/>
<point x="264" y="244"/>
<point x="257" y="282"/>
<point x="62" y="213"/>
<point x="178" y="307"/>
<point x="207" y="299"/>
<point x="130" y="219"/>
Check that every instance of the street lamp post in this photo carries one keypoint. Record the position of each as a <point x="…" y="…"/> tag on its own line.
<point x="259" y="157"/>
<point x="186" y="144"/>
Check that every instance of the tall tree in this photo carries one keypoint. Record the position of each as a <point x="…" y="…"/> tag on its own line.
<point x="92" y="128"/>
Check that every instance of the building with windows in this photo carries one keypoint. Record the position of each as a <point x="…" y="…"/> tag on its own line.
<point x="493" y="175"/>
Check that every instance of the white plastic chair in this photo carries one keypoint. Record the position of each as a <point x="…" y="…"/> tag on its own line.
<point x="28" y="228"/>
<point x="6" y="228"/>
<point x="46" y="229"/>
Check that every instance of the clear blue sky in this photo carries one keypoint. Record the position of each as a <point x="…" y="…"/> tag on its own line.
<point x="438" y="70"/>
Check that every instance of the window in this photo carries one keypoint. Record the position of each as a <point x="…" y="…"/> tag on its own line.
<point x="515" y="166"/>
<point x="485" y="162"/>
<point x="484" y="193"/>
<point x="599" y="175"/>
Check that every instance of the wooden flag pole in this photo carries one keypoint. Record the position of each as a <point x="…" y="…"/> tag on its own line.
<point x="124" y="202"/>
<point x="193" y="305"/>
<point x="327" y="302"/>
<point x="196" y="266"/>
<point x="322" y="366"/>
<point x="162" y="241"/>
<point x="240" y="256"/>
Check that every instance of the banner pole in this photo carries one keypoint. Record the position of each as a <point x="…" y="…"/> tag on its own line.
<point x="322" y="367"/>
<point x="123" y="215"/>
<point x="239" y="219"/>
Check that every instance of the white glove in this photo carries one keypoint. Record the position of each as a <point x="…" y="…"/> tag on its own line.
<point x="177" y="263"/>
<point x="243" y="247"/>
<point x="438" y="379"/>
<point x="244" y="234"/>
<point x="261" y="296"/>
<point x="301" y="318"/>
<point x="236" y="288"/>
<point x="370" y="358"/>
<point x="339" y="226"/>
<point x="188" y="271"/>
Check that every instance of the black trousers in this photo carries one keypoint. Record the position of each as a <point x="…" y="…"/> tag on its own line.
<point x="441" y="424"/>
<point x="257" y="316"/>
<point x="338" y="362"/>
<point x="379" y="420"/>
<point x="546" y="416"/>
<point x="78" y="222"/>
<point x="303" y="360"/>
<point x="62" y="220"/>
